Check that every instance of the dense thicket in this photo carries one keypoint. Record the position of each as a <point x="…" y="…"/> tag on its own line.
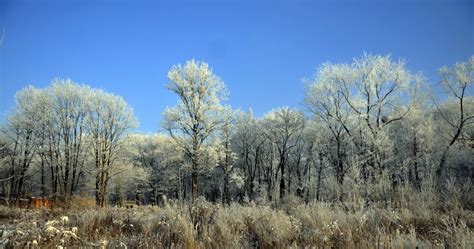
<point x="368" y="129"/>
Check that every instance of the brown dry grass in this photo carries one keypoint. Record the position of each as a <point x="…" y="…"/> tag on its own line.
<point x="207" y="225"/>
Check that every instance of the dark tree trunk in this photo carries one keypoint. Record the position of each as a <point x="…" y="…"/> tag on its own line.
<point x="282" y="173"/>
<point x="194" y="186"/>
<point x="43" y="187"/>
<point x="340" y="165"/>
<point x="299" y="189"/>
<point x="318" y="182"/>
<point x="226" y="193"/>
<point x="415" y="163"/>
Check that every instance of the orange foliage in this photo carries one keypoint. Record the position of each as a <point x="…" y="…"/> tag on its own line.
<point x="41" y="202"/>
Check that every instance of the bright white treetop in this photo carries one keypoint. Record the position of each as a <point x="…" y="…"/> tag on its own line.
<point x="198" y="115"/>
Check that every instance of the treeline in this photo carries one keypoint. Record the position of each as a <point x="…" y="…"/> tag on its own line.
<point x="58" y="139"/>
<point x="369" y="130"/>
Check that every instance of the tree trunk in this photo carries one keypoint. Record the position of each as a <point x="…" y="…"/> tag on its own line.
<point x="299" y="189"/>
<point x="440" y="170"/>
<point x="318" y="183"/>
<point x="97" y="189"/>
<point x="194" y="186"/>
<point x="340" y="165"/>
<point x="43" y="187"/>
<point x="101" y="189"/>
<point x="226" y="198"/>
<point x="282" y="173"/>
<point x="415" y="163"/>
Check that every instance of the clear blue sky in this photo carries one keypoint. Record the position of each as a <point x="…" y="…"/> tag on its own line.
<point x="261" y="49"/>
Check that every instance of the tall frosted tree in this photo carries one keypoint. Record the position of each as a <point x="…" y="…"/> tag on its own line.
<point x="457" y="81"/>
<point x="325" y="101"/>
<point x="249" y="143"/>
<point x="67" y="133"/>
<point x="109" y="120"/>
<point x="198" y="113"/>
<point x="226" y="156"/>
<point x="284" y="127"/>
<point x="360" y="101"/>
<point x="21" y="139"/>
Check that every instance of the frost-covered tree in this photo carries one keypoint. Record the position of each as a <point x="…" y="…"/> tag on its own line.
<point x="109" y="121"/>
<point x="44" y="127"/>
<point x="413" y="144"/>
<point x="60" y="128"/>
<point x="359" y="101"/>
<point x="125" y="179"/>
<point x="159" y="155"/>
<point x="198" y="113"/>
<point x="21" y="139"/>
<point x="380" y="91"/>
<point x="284" y="127"/>
<point x="459" y="114"/>
<point x="66" y="131"/>
<point x="330" y="109"/>
<point x="4" y="173"/>
<point x="318" y="153"/>
<point x="248" y="143"/>
<point x="300" y="161"/>
<point x="226" y="156"/>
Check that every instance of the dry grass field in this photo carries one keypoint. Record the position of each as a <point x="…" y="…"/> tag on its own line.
<point x="291" y="224"/>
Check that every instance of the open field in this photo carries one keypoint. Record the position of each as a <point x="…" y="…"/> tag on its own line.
<point x="207" y="225"/>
